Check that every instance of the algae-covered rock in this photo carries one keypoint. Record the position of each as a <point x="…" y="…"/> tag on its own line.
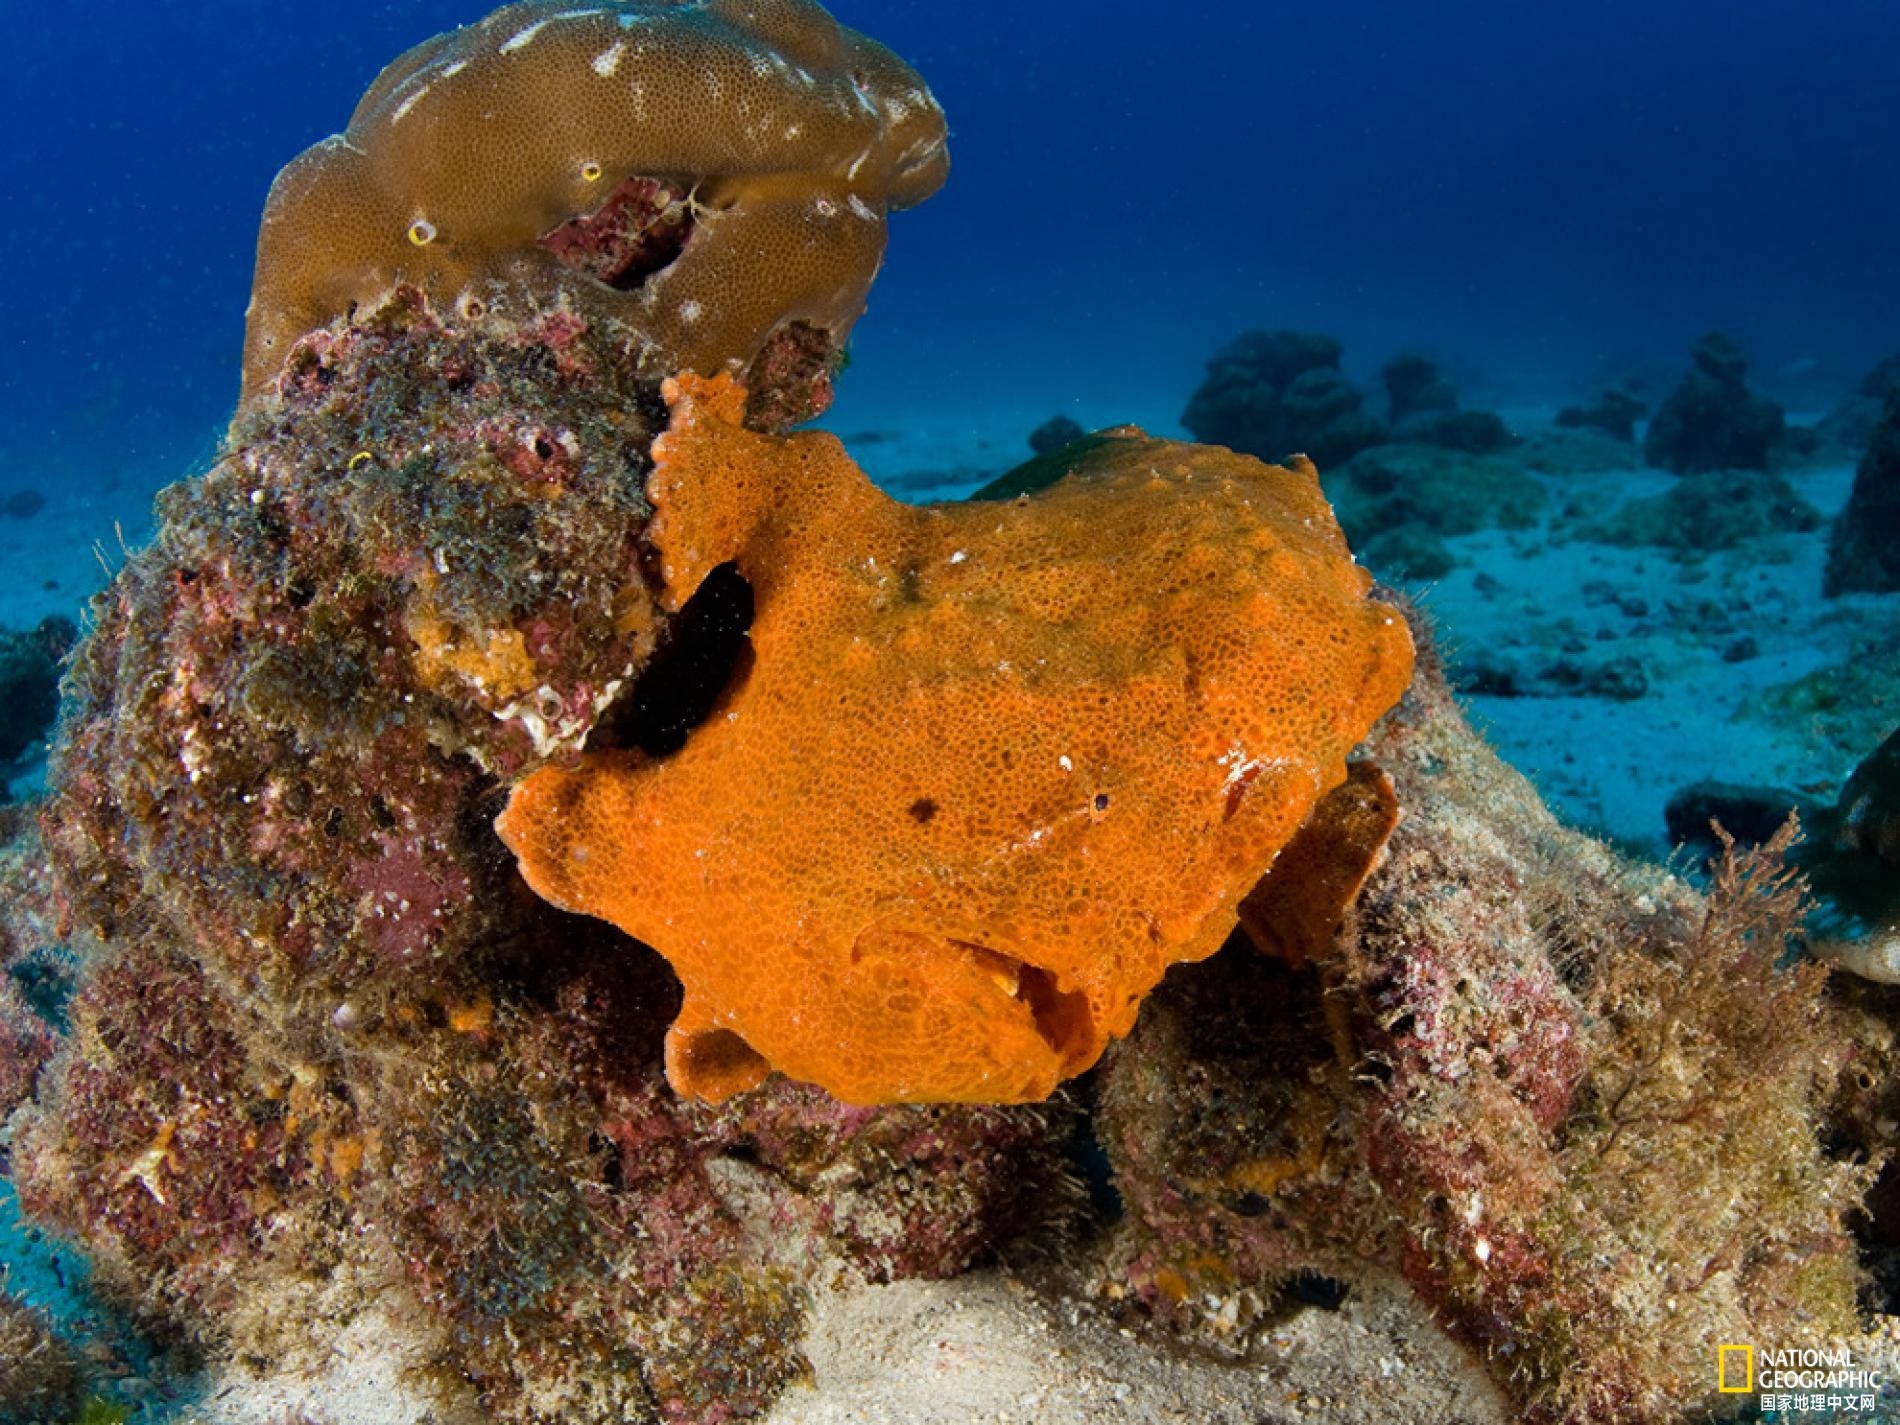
<point x="1554" y="1088"/>
<point x="1855" y="856"/>
<point x="1710" y="510"/>
<point x="40" y="1378"/>
<point x="416" y="572"/>
<point x="320" y="1019"/>
<point x="35" y="976"/>
<point x="1447" y="492"/>
<point x="1846" y="707"/>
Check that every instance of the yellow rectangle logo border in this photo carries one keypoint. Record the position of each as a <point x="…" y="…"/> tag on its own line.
<point x="1722" y="1386"/>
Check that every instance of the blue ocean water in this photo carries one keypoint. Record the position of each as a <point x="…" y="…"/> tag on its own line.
<point x="1539" y="189"/>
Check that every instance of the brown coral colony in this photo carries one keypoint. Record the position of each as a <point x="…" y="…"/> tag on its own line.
<point x="708" y="172"/>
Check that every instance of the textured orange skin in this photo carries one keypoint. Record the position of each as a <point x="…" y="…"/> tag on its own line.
<point x="993" y="766"/>
<point x="796" y="135"/>
<point x="1296" y="910"/>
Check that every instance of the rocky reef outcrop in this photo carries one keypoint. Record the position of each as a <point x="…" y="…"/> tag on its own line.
<point x="1445" y="491"/>
<point x="1848" y="429"/>
<point x="1863" y="553"/>
<point x="1416" y="386"/>
<point x="1713" y="420"/>
<point x="1573" y="1101"/>
<point x="1423" y="408"/>
<point x="320" y="1010"/>
<point x="1277" y="394"/>
<point x="322" y="1031"/>
<point x="1710" y="510"/>
<point x="1398" y="503"/>
<point x="40" y="1376"/>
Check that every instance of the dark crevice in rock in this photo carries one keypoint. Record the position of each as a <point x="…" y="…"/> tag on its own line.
<point x="641" y="229"/>
<point x="704" y="654"/>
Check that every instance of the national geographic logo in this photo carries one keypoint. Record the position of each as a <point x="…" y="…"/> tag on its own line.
<point x="1798" y="1382"/>
<point x="1735" y="1370"/>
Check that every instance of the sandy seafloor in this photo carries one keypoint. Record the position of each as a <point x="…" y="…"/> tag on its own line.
<point x="993" y="1347"/>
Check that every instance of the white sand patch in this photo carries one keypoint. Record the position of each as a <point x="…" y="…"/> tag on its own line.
<point x="364" y="1378"/>
<point x="987" y="1349"/>
<point x="1611" y="766"/>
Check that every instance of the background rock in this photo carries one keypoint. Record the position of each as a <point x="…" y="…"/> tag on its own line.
<point x="1712" y="420"/>
<point x="1864" y="546"/>
<point x="1276" y="394"/>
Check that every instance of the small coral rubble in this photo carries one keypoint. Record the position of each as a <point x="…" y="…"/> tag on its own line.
<point x="1035" y="752"/>
<point x="708" y="173"/>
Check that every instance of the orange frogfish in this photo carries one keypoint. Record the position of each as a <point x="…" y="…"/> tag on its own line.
<point x="989" y="768"/>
